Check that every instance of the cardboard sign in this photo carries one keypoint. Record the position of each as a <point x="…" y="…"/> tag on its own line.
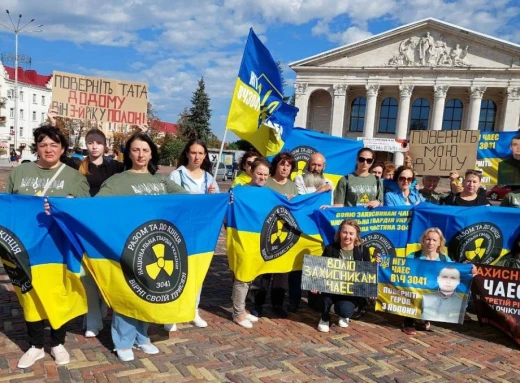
<point x="437" y="152"/>
<point x="391" y="145"/>
<point x="337" y="276"/>
<point x="496" y="294"/>
<point x="99" y="99"/>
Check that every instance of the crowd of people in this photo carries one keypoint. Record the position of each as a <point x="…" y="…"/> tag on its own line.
<point x="372" y="184"/>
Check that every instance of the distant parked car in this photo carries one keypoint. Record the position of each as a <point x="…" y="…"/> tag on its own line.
<point x="229" y="172"/>
<point x="498" y="192"/>
<point x="221" y="174"/>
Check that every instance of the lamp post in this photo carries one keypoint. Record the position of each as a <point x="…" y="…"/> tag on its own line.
<point x="17" y="30"/>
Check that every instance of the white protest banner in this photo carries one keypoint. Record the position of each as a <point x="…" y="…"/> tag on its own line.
<point x="391" y="145"/>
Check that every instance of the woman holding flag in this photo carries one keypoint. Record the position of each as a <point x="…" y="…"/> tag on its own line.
<point x="141" y="158"/>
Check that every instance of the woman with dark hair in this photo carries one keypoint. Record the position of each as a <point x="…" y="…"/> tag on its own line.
<point x="97" y="169"/>
<point x="282" y="166"/>
<point x="194" y="169"/>
<point x="242" y="317"/>
<point x="360" y="188"/>
<point x="49" y="177"/>
<point x="347" y="246"/>
<point x="406" y="195"/>
<point x="245" y="168"/>
<point x="470" y="195"/>
<point x="377" y="169"/>
<point x="511" y="259"/>
<point x="141" y="160"/>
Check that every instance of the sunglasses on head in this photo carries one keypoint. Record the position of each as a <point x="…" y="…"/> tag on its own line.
<point x="367" y="160"/>
<point x="250" y="162"/>
<point x="407" y="179"/>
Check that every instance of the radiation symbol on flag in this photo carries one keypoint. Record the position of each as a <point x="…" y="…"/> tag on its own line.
<point x="480" y="243"/>
<point x="280" y="232"/>
<point x="302" y="155"/>
<point x="15" y="260"/>
<point x="364" y="199"/>
<point x="155" y="262"/>
<point x="378" y="243"/>
<point x="153" y="269"/>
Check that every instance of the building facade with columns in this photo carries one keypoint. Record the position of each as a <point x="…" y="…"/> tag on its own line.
<point x="426" y="75"/>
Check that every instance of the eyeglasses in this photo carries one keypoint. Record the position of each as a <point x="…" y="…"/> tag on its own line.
<point x="406" y="179"/>
<point x="367" y="160"/>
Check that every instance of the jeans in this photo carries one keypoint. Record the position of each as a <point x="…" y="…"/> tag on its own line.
<point x="97" y="308"/>
<point x="238" y="297"/>
<point x="128" y="331"/>
<point x="343" y="306"/>
<point x="36" y="334"/>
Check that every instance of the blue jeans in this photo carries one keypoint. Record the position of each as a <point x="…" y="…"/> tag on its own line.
<point x="128" y="331"/>
<point x="97" y="308"/>
<point x="343" y="306"/>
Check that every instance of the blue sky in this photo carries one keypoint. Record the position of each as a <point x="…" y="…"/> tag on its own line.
<point x="171" y="44"/>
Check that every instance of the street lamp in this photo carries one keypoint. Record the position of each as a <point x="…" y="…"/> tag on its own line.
<point x="17" y="30"/>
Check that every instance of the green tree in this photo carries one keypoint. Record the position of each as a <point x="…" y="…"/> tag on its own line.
<point x="199" y="114"/>
<point x="292" y="101"/>
<point x="284" y="82"/>
<point x="170" y="148"/>
<point x="241" y="145"/>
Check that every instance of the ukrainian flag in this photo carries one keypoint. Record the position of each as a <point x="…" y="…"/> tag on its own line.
<point x="40" y="262"/>
<point x="267" y="233"/>
<point x="258" y="113"/>
<point x="340" y="153"/>
<point x="151" y="259"/>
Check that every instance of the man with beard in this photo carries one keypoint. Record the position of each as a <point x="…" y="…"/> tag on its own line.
<point x="312" y="181"/>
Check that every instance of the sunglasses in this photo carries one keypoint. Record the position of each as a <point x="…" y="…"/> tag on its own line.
<point x="407" y="179"/>
<point x="367" y="160"/>
<point x="250" y="162"/>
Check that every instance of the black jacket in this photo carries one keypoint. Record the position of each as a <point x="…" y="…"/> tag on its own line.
<point x="98" y="174"/>
<point x="361" y="253"/>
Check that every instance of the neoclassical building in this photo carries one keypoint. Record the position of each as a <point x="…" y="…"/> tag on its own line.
<point x="426" y="75"/>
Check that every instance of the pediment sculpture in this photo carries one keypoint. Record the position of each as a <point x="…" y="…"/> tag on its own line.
<point x="426" y="51"/>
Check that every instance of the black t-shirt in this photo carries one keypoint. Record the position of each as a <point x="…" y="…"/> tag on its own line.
<point x="455" y="200"/>
<point x="98" y="174"/>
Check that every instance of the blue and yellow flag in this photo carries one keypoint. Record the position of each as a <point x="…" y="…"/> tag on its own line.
<point x="479" y="234"/>
<point x="40" y="262"/>
<point x="340" y="153"/>
<point x="258" y="113"/>
<point x="494" y="158"/>
<point x="267" y="233"/>
<point x="152" y="263"/>
<point x="384" y="230"/>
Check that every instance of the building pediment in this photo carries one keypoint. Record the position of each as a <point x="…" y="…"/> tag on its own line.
<point x="424" y="44"/>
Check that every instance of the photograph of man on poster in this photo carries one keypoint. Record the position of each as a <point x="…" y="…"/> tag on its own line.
<point x="445" y="305"/>
<point x="509" y="169"/>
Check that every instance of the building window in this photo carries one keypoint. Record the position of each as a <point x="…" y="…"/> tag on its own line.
<point x="11" y="112"/>
<point x="488" y="112"/>
<point x="21" y="131"/>
<point x="43" y="100"/>
<point x="21" y="95"/>
<point x="34" y="116"/>
<point x="43" y="117"/>
<point x="9" y="94"/>
<point x="357" y="114"/>
<point x="420" y="114"/>
<point x="388" y="115"/>
<point x="21" y="114"/>
<point x="34" y="98"/>
<point x="452" y="119"/>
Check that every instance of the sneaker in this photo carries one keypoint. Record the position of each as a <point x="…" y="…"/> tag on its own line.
<point x="244" y="323"/>
<point x="280" y="312"/>
<point x="31" y="356"/>
<point x="343" y="322"/>
<point x="423" y="326"/>
<point x="60" y="355"/>
<point x="199" y="322"/>
<point x="91" y="334"/>
<point x="148" y="348"/>
<point x="125" y="355"/>
<point x="251" y="318"/>
<point x="257" y="311"/>
<point x="323" y="326"/>
<point x="170" y="327"/>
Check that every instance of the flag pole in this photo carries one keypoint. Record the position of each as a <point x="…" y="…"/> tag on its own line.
<point x="215" y="171"/>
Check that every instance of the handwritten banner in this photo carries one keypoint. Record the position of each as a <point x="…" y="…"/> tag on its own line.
<point x="99" y="99"/>
<point x="338" y="276"/>
<point x="496" y="294"/>
<point x="437" y="152"/>
<point x="428" y="290"/>
<point x="384" y="230"/>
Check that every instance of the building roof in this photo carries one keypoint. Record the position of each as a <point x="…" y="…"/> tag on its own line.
<point x="165" y="127"/>
<point x="29" y="77"/>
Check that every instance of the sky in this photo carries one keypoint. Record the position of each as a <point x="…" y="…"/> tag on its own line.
<point x="172" y="44"/>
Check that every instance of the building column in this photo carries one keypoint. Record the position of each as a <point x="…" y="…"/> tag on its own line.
<point x="439" y="101"/>
<point x="475" y="102"/>
<point x="370" y="112"/>
<point x="405" y="94"/>
<point x="338" y="110"/>
<point x="301" y="102"/>
<point x="512" y="110"/>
